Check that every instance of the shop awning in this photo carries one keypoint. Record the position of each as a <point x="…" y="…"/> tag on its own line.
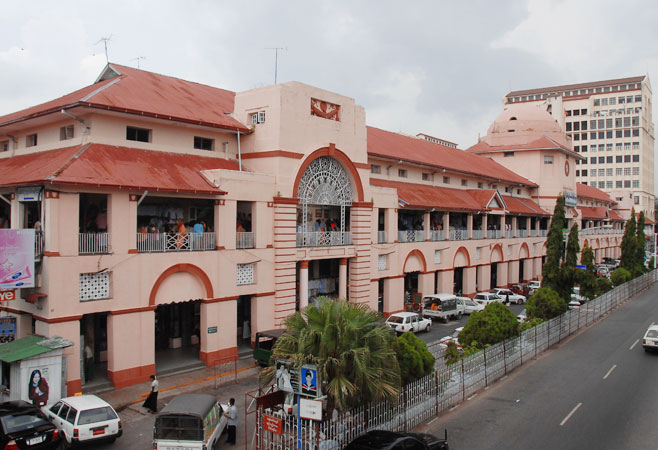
<point x="31" y="346"/>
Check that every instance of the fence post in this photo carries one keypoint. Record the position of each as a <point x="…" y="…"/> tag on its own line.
<point x="463" y="382"/>
<point x="559" y="330"/>
<point x="486" y="381"/>
<point x="436" y="392"/>
<point x="535" y="327"/>
<point x="505" y="357"/>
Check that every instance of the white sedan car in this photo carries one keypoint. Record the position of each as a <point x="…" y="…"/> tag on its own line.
<point x="469" y="305"/>
<point x="485" y="298"/>
<point x="408" y="321"/>
<point x="650" y="339"/>
<point x="454" y="337"/>
<point x="513" y="298"/>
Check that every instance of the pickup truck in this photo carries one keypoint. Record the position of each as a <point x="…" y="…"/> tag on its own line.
<point x="408" y="321"/>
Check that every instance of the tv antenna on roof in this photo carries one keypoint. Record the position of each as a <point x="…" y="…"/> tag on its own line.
<point x="105" y="40"/>
<point x="276" y="58"/>
<point x="138" y="59"/>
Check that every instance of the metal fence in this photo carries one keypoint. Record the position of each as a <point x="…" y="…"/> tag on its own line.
<point x="448" y="386"/>
<point x="174" y="242"/>
<point x="93" y="243"/>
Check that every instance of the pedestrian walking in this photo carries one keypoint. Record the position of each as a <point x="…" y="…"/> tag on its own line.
<point x="152" y="400"/>
<point x="232" y="415"/>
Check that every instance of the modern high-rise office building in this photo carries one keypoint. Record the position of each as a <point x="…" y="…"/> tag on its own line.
<point x="610" y="124"/>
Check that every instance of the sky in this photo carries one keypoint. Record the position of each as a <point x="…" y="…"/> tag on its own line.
<point x="436" y="67"/>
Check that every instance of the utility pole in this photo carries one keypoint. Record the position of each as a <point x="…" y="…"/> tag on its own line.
<point x="276" y="59"/>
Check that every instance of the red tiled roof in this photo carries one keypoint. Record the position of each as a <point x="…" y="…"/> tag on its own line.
<point x="114" y="167"/>
<point x="569" y="87"/>
<point x="583" y="190"/>
<point x="424" y="196"/>
<point x="615" y="216"/>
<point x="543" y="143"/>
<point x="524" y="206"/>
<point x="149" y="94"/>
<point x="396" y="146"/>
<point x="647" y="220"/>
<point x="588" y="212"/>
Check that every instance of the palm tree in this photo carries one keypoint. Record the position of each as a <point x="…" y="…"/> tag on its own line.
<point x="351" y="347"/>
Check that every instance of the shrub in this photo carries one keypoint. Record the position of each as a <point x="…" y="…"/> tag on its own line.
<point x="602" y="285"/>
<point x="620" y="276"/>
<point x="545" y="304"/>
<point x="527" y="324"/>
<point x="414" y="359"/>
<point x="495" y="324"/>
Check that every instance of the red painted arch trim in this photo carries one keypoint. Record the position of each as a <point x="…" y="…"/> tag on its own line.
<point x="526" y="249"/>
<point x="468" y="257"/>
<point x="418" y="253"/>
<point x="502" y="254"/>
<point x="333" y="152"/>
<point x="183" y="267"/>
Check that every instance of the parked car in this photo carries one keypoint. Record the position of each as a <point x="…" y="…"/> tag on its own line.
<point x="513" y="298"/>
<point x="521" y="289"/>
<point x="84" y="419"/>
<point x="264" y="344"/>
<point x="408" y="321"/>
<point x="522" y="316"/>
<point x="26" y="426"/>
<point x="533" y="286"/>
<point x="469" y="305"/>
<point x="453" y="337"/>
<point x="650" y="339"/>
<point x="575" y="295"/>
<point x="442" y="306"/>
<point x="574" y="304"/>
<point x="485" y="298"/>
<point x="393" y="440"/>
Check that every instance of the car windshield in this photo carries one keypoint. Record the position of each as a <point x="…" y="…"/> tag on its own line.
<point x="22" y="422"/>
<point x="470" y="303"/>
<point x="395" y="319"/>
<point x="96" y="415"/>
<point x="652" y="333"/>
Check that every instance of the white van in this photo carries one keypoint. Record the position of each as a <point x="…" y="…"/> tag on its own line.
<point x="442" y="306"/>
<point x="189" y="421"/>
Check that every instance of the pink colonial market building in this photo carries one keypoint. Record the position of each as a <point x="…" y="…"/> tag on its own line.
<point x="177" y="219"/>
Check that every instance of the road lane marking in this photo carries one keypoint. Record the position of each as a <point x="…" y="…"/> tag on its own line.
<point x="634" y="344"/>
<point x="571" y="414"/>
<point x="609" y="371"/>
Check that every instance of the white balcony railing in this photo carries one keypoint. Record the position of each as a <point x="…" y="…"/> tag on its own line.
<point x="533" y="233"/>
<point x="521" y="233"/>
<point x="478" y="234"/>
<point x="174" y="242"/>
<point x="543" y="233"/>
<point x="411" y="236"/>
<point x="324" y="238"/>
<point x="458" y="235"/>
<point x="381" y="237"/>
<point x="38" y="244"/>
<point x="494" y="234"/>
<point x="93" y="243"/>
<point x="508" y="234"/>
<point x="244" y="239"/>
<point x="437" y="235"/>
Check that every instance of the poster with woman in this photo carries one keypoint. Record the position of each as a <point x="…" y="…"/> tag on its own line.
<point x="37" y="388"/>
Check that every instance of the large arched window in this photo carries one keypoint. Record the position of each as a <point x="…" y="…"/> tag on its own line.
<point x="325" y="183"/>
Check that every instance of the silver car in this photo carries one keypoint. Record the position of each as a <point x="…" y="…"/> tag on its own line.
<point x="650" y="339"/>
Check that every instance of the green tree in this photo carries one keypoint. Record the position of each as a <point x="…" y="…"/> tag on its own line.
<point x="351" y="347"/>
<point x="620" y="276"/>
<point x="573" y="247"/>
<point x="628" y="244"/>
<point x="569" y="273"/>
<point x="639" y="247"/>
<point x="490" y="326"/>
<point x="545" y="304"/>
<point x="527" y="324"/>
<point x="587" y="276"/>
<point x="451" y="355"/>
<point x="602" y="285"/>
<point x="551" y="272"/>
<point x="414" y="359"/>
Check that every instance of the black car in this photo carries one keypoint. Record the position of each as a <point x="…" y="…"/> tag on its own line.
<point x="24" y="426"/>
<point x="392" y="440"/>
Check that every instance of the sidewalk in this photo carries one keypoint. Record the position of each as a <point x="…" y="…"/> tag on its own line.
<point x="228" y="380"/>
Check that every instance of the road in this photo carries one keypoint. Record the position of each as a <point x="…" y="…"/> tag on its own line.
<point x="596" y="390"/>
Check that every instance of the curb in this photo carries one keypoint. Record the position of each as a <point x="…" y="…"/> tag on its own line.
<point x="143" y="396"/>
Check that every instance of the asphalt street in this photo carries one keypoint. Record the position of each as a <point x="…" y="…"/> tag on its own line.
<point x="595" y="390"/>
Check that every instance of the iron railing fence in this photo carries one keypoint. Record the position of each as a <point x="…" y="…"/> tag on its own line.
<point x="446" y="387"/>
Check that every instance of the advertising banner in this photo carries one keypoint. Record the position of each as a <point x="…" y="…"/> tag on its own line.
<point x="16" y="258"/>
<point x="7" y="329"/>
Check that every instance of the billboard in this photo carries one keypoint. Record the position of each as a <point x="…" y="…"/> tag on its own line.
<point x="7" y="329"/>
<point x="16" y="258"/>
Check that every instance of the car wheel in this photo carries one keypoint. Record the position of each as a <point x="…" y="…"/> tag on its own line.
<point x="520" y="302"/>
<point x="459" y="315"/>
<point x="63" y="443"/>
<point x="427" y="328"/>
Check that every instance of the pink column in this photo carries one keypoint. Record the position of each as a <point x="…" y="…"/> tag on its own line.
<point x="303" y="285"/>
<point x="342" y="278"/>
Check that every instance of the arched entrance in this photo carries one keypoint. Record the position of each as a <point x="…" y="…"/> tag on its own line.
<point x="413" y="265"/>
<point x="496" y="259"/>
<point x="461" y="260"/>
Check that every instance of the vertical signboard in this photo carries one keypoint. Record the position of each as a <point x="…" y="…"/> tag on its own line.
<point x="16" y="258"/>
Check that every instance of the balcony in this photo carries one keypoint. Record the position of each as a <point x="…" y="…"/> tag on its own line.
<point x="600" y="230"/>
<point x="494" y="234"/>
<point x="478" y="234"/>
<point x="324" y="238"/>
<point x="437" y="235"/>
<point x="93" y="243"/>
<point x="521" y="233"/>
<point x="244" y="239"/>
<point x="381" y="237"/>
<point x="38" y="245"/>
<point x="411" y="236"/>
<point x="458" y="235"/>
<point x="174" y="242"/>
